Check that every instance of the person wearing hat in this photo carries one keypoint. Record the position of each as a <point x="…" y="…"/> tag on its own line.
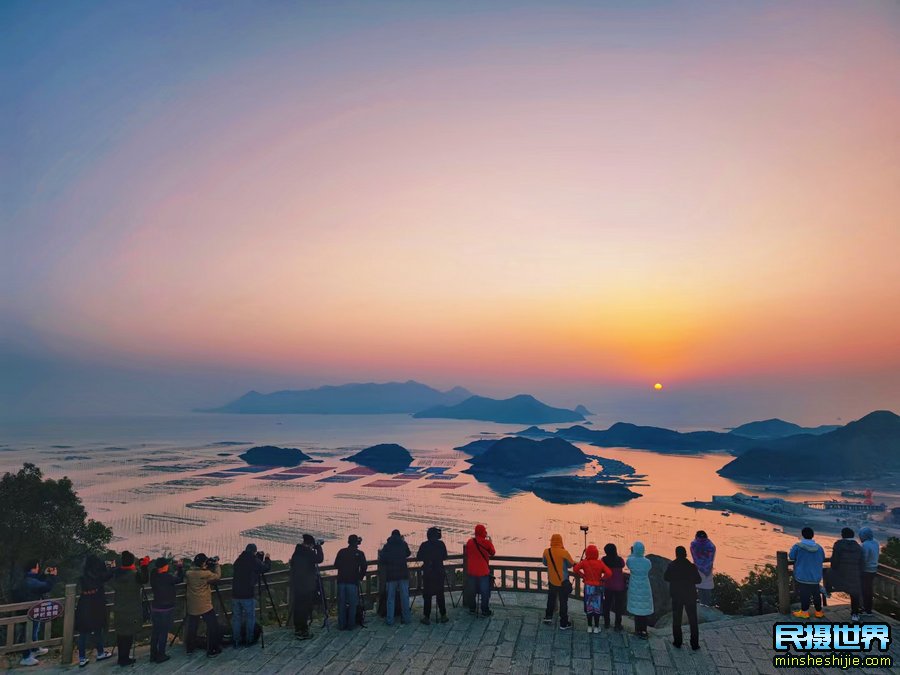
<point x="162" y="608"/>
<point x="245" y="580"/>
<point x="392" y="560"/>
<point x="308" y="555"/>
<point x="351" y="567"/>
<point x="432" y="553"/>
<point x="198" y="601"/>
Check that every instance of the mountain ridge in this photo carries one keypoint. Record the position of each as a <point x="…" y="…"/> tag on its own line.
<point x="519" y="409"/>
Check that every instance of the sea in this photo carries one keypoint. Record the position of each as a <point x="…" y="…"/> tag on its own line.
<point x="175" y="485"/>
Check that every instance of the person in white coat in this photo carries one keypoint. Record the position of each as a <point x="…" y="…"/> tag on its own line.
<point x="640" y="595"/>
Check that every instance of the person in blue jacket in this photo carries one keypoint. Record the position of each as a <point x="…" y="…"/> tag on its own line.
<point x="808" y="558"/>
<point x="871" y="550"/>
<point x="33" y="588"/>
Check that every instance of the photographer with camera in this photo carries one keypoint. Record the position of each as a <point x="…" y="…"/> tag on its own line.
<point x="308" y="555"/>
<point x="90" y="613"/>
<point x="198" y="598"/>
<point x="162" y="609"/>
<point x="432" y="553"/>
<point x="128" y="604"/>
<point x="351" y="566"/>
<point x="32" y="588"/>
<point x="246" y="575"/>
<point x="392" y="560"/>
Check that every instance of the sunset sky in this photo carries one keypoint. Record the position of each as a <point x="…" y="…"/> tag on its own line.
<point x="576" y="200"/>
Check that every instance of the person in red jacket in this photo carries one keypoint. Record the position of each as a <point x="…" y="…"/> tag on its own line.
<point x="595" y="573"/>
<point x="479" y="551"/>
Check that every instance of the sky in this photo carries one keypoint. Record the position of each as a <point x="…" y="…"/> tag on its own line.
<point x="577" y="200"/>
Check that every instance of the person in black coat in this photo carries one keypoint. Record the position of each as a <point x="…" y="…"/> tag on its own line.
<point x="91" y="614"/>
<point x="351" y="567"/>
<point x="308" y="555"/>
<point x="683" y="578"/>
<point x="846" y="570"/>
<point x="432" y="553"/>
<point x="245" y="579"/>
<point x="392" y="563"/>
<point x="162" y="607"/>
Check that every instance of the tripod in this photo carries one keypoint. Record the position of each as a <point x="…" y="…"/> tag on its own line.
<point x="321" y="589"/>
<point x="262" y="581"/>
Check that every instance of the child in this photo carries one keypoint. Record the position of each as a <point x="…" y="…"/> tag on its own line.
<point x="594" y="572"/>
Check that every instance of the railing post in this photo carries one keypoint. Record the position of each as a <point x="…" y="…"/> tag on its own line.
<point x="782" y="581"/>
<point x="68" y="637"/>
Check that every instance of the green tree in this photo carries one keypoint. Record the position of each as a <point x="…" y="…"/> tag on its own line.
<point x="43" y="519"/>
<point x="890" y="552"/>
<point x="728" y="594"/>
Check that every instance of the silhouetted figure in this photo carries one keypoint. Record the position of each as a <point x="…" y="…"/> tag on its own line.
<point x="90" y="614"/>
<point x="351" y="569"/>
<point x="614" y="588"/>
<point x="871" y="551"/>
<point x="308" y="555"/>
<point x="847" y="570"/>
<point x="683" y="578"/>
<point x="432" y="553"/>
<point x="128" y="604"/>
<point x="392" y="557"/>
<point x="162" y="609"/>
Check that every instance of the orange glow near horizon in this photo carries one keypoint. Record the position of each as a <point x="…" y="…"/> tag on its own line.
<point x="576" y="209"/>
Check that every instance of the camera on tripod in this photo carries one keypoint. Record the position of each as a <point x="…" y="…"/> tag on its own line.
<point x="584" y="528"/>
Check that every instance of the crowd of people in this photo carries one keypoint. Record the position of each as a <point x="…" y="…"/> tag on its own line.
<point x="612" y="586"/>
<point x="852" y="571"/>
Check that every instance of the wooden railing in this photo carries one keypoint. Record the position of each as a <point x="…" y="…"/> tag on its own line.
<point x="511" y="573"/>
<point x="886" y="584"/>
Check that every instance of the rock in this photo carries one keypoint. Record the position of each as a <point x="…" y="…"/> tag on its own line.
<point x="384" y="457"/>
<point x="271" y="455"/>
<point x="662" y="601"/>
<point x="519" y="456"/>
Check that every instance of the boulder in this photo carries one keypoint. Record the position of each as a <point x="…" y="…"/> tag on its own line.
<point x="662" y="601"/>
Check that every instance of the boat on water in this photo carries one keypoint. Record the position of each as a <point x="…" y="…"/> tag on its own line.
<point x="726" y="512"/>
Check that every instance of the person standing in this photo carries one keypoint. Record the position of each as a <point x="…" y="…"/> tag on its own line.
<point x="808" y="558"/>
<point x="683" y="577"/>
<point x="392" y="558"/>
<point x="847" y="570"/>
<point x="703" y="551"/>
<point x="308" y="555"/>
<point x="32" y="588"/>
<point x="479" y="551"/>
<point x="614" y="588"/>
<point x="128" y="604"/>
<point x="432" y="553"/>
<point x="871" y="551"/>
<point x="351" y="567"/>
<point x="162" y="608"/>
<point x="640" y="594"/>
<point x="557" y="560"/>
<point x="595" y="574"/>
<point x="246" y="575"/>
<point x="90" y="614"/>
<point x="198" y="600"/>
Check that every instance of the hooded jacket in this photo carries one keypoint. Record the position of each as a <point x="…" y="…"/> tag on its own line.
<point x="557" y="560"/>
<point x="479" y="551"/>
<point x="303" y="568"/>
<point x="870" y="550"/>
<point x="808" y="557"/>
<point x="164" y="587"/>
<point x="846" y="567"/>
<point x="616" y="565"/>
<point x="432" y="553"/>
<point x="640" y="595"/>
<point x="593" y="570"/>
<point x="128" y="614"/>
<point x="351" y="565"/>
<point x="703" y="551"/>
<point x="392" y="558"/>
<point x="247" y="569"/>
<point x="683" y="578"/>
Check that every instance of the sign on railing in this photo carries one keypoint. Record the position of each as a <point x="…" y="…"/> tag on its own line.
<point x="46" y="610"/>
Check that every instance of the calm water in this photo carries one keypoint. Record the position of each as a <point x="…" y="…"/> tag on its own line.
<point x="149" y="479"/>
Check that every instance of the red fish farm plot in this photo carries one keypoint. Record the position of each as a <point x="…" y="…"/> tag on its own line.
<point x="387" y="483"/>
<point x="359" y="471"/>
<point x="249" y="469"/>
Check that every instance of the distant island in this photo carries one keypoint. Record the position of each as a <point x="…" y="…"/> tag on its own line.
<point x="346" y="399"/>
<point x="583" y="411"/>
<point x="521" y="409"/>
<point x="384" y="457"/>
<point x="517" y="456"/>
<point x="866" y="448"/>
<point x="272" y="455"/>
<point x="658" y="439"/>
<point x="581" y="490"/>
<point x="777" y="428"/>
<point x="476" y="447"/>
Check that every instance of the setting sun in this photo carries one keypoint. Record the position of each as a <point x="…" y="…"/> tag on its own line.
<point x="657" y="386"/>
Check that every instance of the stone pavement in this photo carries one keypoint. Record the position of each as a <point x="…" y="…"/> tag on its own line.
<point x="513" y="640"/>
